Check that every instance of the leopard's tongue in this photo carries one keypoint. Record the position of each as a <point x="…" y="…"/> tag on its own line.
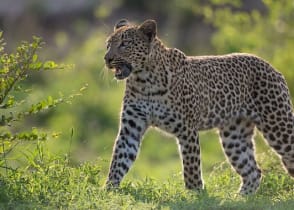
<point x="116" y="70"/>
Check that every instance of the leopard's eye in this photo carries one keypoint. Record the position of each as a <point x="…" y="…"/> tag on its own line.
<point x="124" y="44"/>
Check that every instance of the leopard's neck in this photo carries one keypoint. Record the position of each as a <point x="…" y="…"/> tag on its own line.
<point x="154" y="80"/>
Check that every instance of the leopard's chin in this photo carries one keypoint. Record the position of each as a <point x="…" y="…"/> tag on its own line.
<point x="122" y="71"/>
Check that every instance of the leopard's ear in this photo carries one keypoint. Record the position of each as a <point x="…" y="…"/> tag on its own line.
<point x="121" y="23"/>
<point x="148" y="28"/>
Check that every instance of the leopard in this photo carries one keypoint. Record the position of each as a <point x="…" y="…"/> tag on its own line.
<point x="182" y="95"/>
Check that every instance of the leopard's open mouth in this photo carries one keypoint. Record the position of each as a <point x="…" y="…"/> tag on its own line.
<point x="122" y="71"/>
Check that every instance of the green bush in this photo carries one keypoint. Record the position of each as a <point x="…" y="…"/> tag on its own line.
<point x="15" y="70"/>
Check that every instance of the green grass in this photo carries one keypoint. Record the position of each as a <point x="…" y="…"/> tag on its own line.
<point x="55" y="184"/>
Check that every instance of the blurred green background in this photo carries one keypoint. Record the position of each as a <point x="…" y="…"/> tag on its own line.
<point x="75" y="32"/>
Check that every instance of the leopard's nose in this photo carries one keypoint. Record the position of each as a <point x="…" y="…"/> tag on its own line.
<point x="108" y="58"/>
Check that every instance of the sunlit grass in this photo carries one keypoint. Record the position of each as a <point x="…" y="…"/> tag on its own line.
<point x="55" y="184"/>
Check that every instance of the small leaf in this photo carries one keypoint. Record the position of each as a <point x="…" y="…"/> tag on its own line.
<point x="50" y="65"/>
<point x="35" y="58"/>
<point x="84" y="88"/>
<point x="4" y="146"/>
<point x="35" y="66"/>
<point x="56" y="134"/>
<point x="50" y="101"/>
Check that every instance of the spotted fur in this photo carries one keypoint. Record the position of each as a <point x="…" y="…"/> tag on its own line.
<point x="182" y="95"/>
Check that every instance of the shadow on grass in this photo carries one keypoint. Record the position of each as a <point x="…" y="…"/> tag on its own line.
<point x="177" y="197"/>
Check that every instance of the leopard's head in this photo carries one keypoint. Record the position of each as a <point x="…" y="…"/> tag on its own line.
<point x="128" y="47"/>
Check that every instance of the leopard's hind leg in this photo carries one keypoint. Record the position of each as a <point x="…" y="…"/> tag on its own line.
<point x="274" y="107"/>
<point x="236" y="137"/>
<point x="278" y="129"/>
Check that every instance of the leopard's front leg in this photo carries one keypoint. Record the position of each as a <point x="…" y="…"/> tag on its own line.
<point x="132" y="127"/>
<point x="190" y="153"/>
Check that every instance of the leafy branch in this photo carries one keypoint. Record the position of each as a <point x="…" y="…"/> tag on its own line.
<point x="15" y="68"/>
